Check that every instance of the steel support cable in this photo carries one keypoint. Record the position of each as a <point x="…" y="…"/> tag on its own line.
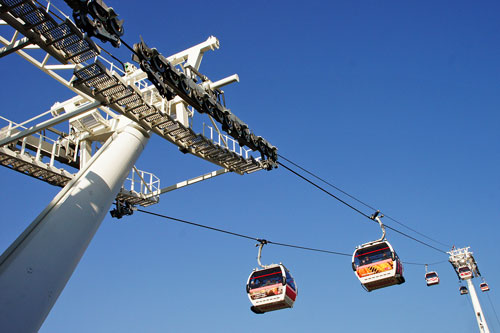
<point x="322" y="189"/>
<point x="494" y="311"/>
<point x="112" y="56"/>
<point x="361" y="202"/>
<point x="260" y="240"/>
<point x="416" y="240"/>
<point x="311" y="249"/>
<point x="419" y="264"/>
<point x="129" y="47"/>
<point x="199" y="225"/>
<point x="357" y="210"/>
<point x="241" y="235"/>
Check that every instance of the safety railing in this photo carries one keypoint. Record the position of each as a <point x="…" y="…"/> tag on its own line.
<point x="223" y="139"/>
<point x="40" y="144"/>
<point x="142" y="182"/>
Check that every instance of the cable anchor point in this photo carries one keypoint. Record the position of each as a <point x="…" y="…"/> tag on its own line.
<point x="122" y="208"/>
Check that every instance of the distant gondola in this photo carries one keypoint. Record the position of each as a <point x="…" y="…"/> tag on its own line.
<point x="431" y="278"/>
<point x="484" y="286"/>
<point x="464" y="290"/>
<point x="464" y="272"/>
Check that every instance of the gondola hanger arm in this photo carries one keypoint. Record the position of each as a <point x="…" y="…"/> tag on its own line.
<point x="261" y="244"/>
<point x="376" y="217"/>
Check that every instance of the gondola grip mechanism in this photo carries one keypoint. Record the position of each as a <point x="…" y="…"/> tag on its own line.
<point x="377" y="218"/>
<point x="261" y="244"/>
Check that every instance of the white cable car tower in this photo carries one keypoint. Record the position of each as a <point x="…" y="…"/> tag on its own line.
<point x="111" y="119"/>
<point x="466" y="268"/>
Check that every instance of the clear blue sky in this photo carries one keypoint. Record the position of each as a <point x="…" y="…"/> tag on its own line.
<point x="394" y="102"/>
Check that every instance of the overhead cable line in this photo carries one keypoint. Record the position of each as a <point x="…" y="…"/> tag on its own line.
<point x="322" y="189"/>
<point x="415" y="239"/>
<point x="419" y="264"/>
<point x="357" y="210"/>
<point x="112" y="56"/>
<point x="243" y="236"/>
<point x="128" y="47"/>
<point x="199" y="225"/>
<point x="494" y="310"/>
<point x="259" y="239"/>
<point x="358" y="200"/>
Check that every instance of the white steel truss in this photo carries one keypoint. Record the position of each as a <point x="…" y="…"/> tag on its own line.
<point x="103" y="91"/>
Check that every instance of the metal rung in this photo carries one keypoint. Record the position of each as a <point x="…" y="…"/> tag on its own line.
<point x="233" y="157"/>
<point x="171" y="129"/>
<point x="153" y="117"/>
<point x="218" y="153"/>
<point x="175" y="133"/>
<point x="188" y="138"/>
<point x="42" y="29"/>
<point x="165" y="120"/>
<point x="185" y="134"/>
<point x="208" y="150"/>
<point x="200" y="146"/>
<point x="134" y="98"/>
<point x="89" y="72"/>
<point x="239" y="164"/>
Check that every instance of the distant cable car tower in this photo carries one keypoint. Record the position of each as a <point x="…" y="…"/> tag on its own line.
<point x="466" y="268"/>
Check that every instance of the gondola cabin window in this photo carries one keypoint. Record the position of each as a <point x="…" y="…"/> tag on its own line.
<point x="289" y="280"/>
<point x="372" y="254"/>
<point x="266" y="278"/>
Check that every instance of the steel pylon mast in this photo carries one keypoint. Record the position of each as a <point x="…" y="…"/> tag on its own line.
<point x="108" y="123"/>
<point x="466" y="268"/>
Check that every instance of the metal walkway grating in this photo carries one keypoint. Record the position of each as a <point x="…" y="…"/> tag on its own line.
<point x="64" y="41"/>
<point x="111" y="90"/>
<point x="28" y="165"/>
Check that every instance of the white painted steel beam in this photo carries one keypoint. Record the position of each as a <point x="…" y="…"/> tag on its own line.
<point x="13" y="47"/>
<point x="36" y="267"/>
<point x="224" y="82"/>
<point x="49" y="123"/>
<point x="194" y="54"/>
<point x="194" y="180"/>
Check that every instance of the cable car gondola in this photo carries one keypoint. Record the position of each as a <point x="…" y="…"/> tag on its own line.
<point x="270" y="288"/>
<point x="464" y="272"/>
<point x="484" y="286"/>
<point x="431" y="278"/>
<point x="464" y="290"/>
<point x="376" y="264"/>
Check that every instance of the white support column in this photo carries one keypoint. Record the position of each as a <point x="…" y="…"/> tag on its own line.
<point x="85" y="152"/>
<point x="478" y="312"/>
<point x="181" y="113"/>
<point x="36" y="267"/>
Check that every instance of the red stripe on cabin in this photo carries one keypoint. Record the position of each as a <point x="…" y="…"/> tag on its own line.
<point x="371" y="251"/>
<point x="291" y="293"/>
<point x="256" y="277"/>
